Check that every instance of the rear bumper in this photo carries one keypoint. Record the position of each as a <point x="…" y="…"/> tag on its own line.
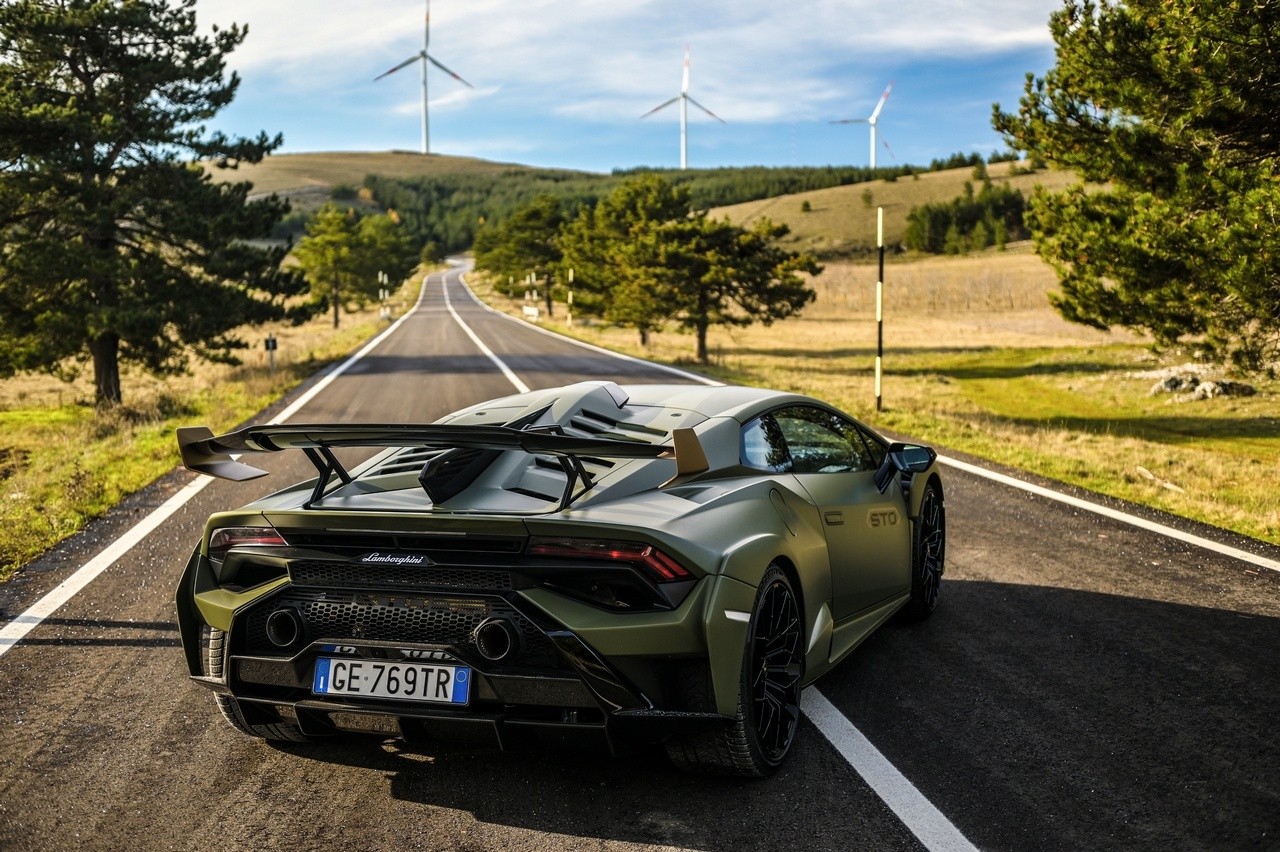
<point x="566" y="693"/>
<point x="583" y="675"/>
<point x="510" y="730"/>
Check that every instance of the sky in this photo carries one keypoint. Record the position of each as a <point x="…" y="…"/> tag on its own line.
<point x="564" y="83"/>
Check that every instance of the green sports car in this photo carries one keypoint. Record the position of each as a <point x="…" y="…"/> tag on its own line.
<point x="592" y="563"/>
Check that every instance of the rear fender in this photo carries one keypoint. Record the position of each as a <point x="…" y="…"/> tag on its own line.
<point x="731" y="604"/>
<point x="200" y="602"/>
<point x="727" y="639"/>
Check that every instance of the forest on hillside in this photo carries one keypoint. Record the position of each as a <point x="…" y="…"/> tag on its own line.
<point x="443" y="212"/>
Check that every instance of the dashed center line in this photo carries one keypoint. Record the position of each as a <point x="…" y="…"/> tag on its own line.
<point x="917" y="813"/>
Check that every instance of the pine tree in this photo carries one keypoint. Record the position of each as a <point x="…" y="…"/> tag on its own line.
<point x="615" y="249"/>
<point x="327" y="256"/>
<point x="1168" y="113"/>
<point x="118" y="246"/>
<point x="646" y="258"/>
<point x="524" y="243"/>
<point x="720" y="274"/>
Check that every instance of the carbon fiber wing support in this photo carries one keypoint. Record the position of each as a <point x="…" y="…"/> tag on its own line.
<point x="213" y="455"/>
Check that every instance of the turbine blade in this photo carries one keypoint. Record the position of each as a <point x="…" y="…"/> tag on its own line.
<point x="880" y="104"/>
<point x="707" y="111"/>
<point x="409" y="61"/>
<point x="850" y="121"/>
<point x="684" y="78"/>
<point x="434" y="62"/>
<point x="662" y="105"/>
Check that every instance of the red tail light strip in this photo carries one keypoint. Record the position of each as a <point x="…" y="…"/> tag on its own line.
<point x="660" y="566"/>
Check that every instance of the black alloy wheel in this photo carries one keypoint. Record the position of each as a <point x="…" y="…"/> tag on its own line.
<point x="775" y="662"/>
<point x="756" y="740"/>
<point x="928" y="553"/>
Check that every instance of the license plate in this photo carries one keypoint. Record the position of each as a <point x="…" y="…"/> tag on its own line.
<point x="403" y="681"/>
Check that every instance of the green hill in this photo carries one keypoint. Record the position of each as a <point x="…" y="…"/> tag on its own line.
<point x="841" y="220"/>
<point x="298" y="173"/>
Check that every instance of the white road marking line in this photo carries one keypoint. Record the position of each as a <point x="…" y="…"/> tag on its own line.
<point x="14" y="632"/>
<point x="17" y="629"/>
<point x="917" y="813"/>
<point x="497" y="362"/>
<point x="675" y="371"/>
<point x="1115" y="515"/>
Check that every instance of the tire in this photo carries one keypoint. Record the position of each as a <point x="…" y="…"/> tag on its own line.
<point x="759" y="737"/>
<point x="928" y="555"/>
<point x="281" y="732"/>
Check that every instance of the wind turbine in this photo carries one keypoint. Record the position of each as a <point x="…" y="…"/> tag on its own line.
<point x="685" y="99"/>
<point x="875" y="114"/>
<point x="423" y="57"/>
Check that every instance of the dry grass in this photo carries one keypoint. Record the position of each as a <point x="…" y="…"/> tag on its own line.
<point x="62" y="461"/>
<point x="323" y="171"/>
<point x="977" y="361"/>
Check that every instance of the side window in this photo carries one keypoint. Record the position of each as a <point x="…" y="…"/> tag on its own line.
<point x="763" y="447"/>
<point x="822" y="442"/>
<point x="875" y="447"/>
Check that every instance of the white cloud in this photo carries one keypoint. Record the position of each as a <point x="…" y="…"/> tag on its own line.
<point x="752" y="60"/>
<point x="576" y="75"/>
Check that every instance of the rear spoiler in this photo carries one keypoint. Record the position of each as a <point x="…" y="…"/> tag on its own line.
<point x="203" y="452"/>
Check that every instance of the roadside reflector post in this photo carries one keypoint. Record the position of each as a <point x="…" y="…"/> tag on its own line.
<point x="570" y="309"/>
<point x="271" y="354"/>
<point x="879" y="301"/>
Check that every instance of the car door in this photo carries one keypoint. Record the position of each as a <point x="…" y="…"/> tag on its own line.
<point x="868" y="534"/>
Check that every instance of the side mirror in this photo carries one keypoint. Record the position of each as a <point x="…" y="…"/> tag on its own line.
<point x="906" y="460"/>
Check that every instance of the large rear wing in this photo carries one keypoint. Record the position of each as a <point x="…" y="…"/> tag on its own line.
<point x="204" y="452"/>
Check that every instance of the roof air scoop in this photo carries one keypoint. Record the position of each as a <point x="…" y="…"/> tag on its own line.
<point x="619" y="396"/>
<point x="448" y="474"/>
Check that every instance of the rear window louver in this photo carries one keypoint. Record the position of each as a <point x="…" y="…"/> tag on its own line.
<point x="448" y="474"/>
<point x="408" y="460"/>
<point x="584" y="423"/>
<point x="594" y="466"/>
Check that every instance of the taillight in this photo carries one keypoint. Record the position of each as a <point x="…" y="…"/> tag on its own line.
<point x="225" y="538"/>
<point x="659" y="566"/>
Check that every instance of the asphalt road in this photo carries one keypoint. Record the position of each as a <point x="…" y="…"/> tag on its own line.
<point x="1083" y="685"/>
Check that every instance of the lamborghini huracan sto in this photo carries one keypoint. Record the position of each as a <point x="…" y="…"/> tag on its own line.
<point x="593" y="563"/>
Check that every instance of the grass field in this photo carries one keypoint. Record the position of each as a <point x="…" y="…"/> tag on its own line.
<point x="978" y="362"/>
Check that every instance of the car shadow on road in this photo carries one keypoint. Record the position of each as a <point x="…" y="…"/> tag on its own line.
<point x="105" y="633"/>
<point x="636" y="798"/>
<point x="1032" y="717"/>
<point x="1052" y="718"/>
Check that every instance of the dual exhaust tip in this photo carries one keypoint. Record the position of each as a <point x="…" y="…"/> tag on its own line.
<point x="285" y="628"/>
<point x="497" y="638"/>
